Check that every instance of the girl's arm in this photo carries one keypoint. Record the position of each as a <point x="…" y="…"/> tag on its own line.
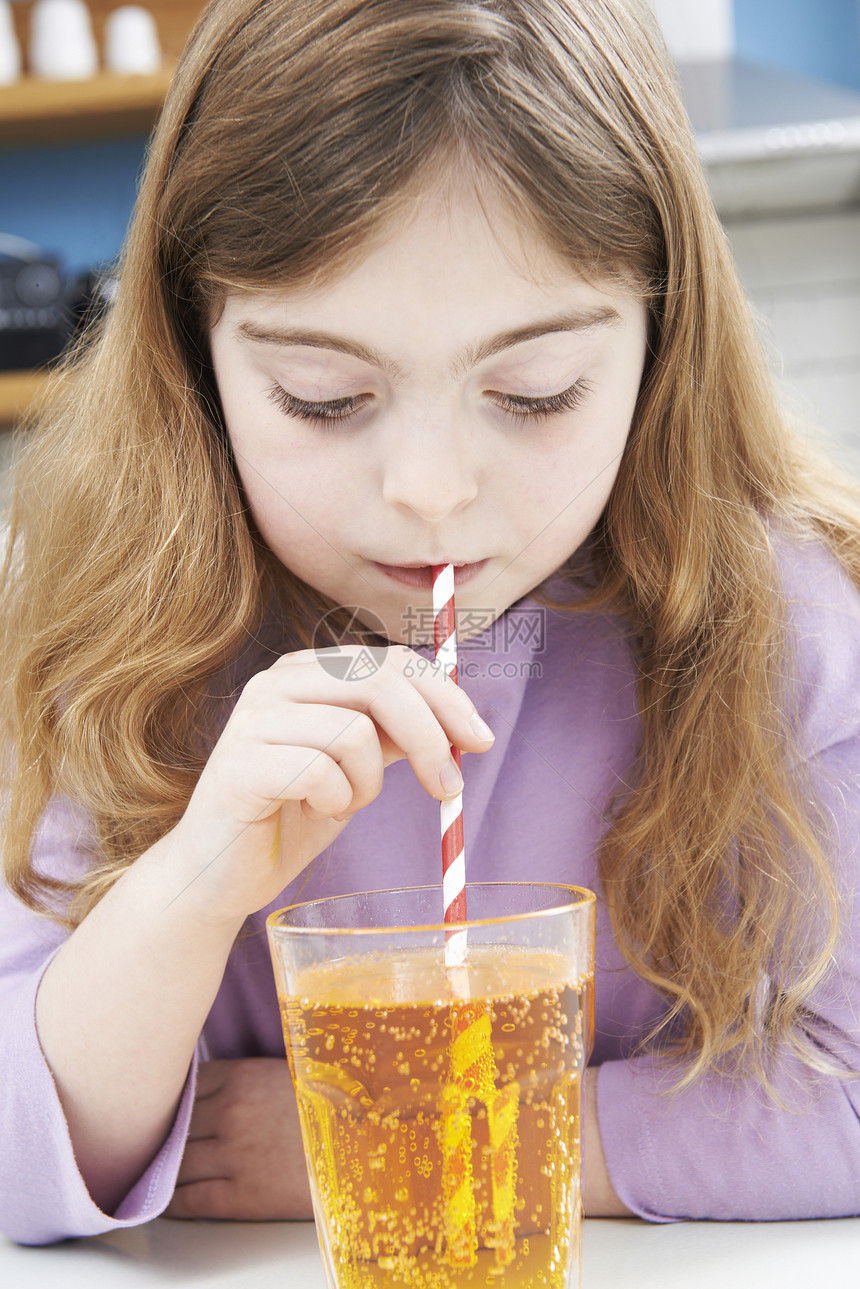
<point x="598" y="1193"/>
<point x="119" y="1011"/>
<point x="122" y="1004"/>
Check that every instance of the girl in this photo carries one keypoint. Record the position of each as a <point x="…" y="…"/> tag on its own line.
<point x="411" y="282"/>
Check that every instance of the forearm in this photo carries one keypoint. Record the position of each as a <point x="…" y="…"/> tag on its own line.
<point x="118" y="1014"/>
<point x="599" y="1197"/>
<point x="122" y="1004"/>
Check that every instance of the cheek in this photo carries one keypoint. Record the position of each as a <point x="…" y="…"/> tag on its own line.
<point x="297" y="506"/>
<point x="276" y="468"/>
<point x="563" y="498"/>
<point x="280" y="510"/>
<point x="585" y="458"/>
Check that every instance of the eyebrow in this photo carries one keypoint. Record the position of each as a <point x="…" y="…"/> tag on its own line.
<point x="582" y="320"/>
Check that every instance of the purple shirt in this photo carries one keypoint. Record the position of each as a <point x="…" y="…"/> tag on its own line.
<point x="559" y="691"/>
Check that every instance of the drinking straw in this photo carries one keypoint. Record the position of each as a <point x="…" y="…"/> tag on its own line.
<point x="473" y="1075"/>
<point x="472" y="1064"/>
<point x="453" y="854"/>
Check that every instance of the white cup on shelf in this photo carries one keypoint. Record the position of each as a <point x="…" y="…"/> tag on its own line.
<point x="131" y="41"/>
<point x="62" y="45"/>
<point x="10" y="52"/>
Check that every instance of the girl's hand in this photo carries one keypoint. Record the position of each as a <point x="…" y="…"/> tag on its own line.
<point x="244" y="1159"/>
<point x="303" y="750"/>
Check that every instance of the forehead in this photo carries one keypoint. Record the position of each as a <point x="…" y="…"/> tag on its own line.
<point x="461" y="255"/>
<point x="454" y="209"/>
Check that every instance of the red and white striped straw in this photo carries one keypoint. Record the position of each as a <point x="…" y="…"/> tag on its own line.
<point x="453" y="855"/>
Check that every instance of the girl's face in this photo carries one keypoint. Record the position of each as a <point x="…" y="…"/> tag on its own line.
<point x="460" y="396"/>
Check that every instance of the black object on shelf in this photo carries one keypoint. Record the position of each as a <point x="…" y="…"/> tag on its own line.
<point x="89" y="298"/>
<point x="33" y="321"/>
<point x="41" y="309"/>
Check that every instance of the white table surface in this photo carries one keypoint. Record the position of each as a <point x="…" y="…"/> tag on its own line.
<point x="618" y="1254"/>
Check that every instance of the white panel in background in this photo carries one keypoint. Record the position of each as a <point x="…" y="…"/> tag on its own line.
<point x="697" y="28"/>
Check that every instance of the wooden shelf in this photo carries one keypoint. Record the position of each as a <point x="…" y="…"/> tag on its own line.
<point x="34" y="110"/>
<point x="18" y="389"/>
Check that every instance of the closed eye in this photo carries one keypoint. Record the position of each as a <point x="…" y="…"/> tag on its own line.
<point x="335" y="409"/>
<point x="520" y="407"/>
<point x="524" y="409"/>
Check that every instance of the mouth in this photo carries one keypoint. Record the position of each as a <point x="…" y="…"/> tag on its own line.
<point x="421" y="575"/>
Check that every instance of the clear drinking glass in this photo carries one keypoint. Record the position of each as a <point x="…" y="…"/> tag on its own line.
<point x="441" y="1106"/>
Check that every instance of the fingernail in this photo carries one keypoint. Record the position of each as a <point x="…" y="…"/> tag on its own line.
<point x="451" y="779"/>
<point x="343" y="819"/>
<point x="481" y="729"/>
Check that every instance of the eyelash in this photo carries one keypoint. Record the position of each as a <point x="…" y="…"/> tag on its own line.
<point x="520" y="408"/>
<point x="323" y="415"/>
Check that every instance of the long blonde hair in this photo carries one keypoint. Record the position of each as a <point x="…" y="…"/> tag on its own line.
<point x="290" y="133"/>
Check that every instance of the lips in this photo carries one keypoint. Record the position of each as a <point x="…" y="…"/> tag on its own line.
<point x="421" y="574"/>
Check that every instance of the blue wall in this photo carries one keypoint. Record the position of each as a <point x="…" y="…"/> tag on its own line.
<point x="818" y="37"/>
<point x="74" y="199"/>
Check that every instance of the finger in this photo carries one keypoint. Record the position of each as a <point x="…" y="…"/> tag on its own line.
<point x="451" y="704"/>
<point x="349" y="738"/>
<point x="204" y="1159"/>
<point x="209" y="1086"/>
<point x="227" y="1199"/>
<point x="270" y="776"/>
<point x="203" y="1125"/>
<point x="213" y="1198"/>
<point x="211" y="1078"/>
<point x="422" y="713"/>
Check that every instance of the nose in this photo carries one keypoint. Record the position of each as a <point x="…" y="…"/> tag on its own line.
<point x="429" y="469"/>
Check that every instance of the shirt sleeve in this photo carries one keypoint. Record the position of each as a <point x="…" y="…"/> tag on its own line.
<point x="722" y="1148"/>
<point x="43" y="1197"/>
